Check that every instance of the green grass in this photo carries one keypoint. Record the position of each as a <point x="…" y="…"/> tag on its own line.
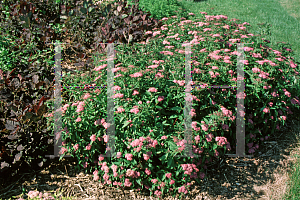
<point x="284" y="18"/>
<point x="294" y="183"/>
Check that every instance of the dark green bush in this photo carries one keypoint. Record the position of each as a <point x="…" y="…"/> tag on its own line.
<point x="26" y="82"/>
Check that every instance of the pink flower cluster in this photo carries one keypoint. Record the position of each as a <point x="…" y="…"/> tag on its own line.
<point x="188" y="168"/>
<point x="102" y="121"/>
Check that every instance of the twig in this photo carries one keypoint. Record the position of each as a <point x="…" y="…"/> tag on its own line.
<point x="66" y="170"/>
<point x="266" y="152"/>
<point x="79" y="187"/>
<point x="11" y="186"/>
<point x="226" y="178"/>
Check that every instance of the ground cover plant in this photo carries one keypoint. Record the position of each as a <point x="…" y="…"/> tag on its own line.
<point x="150" y="99"/>
<point x="175" y="64"/>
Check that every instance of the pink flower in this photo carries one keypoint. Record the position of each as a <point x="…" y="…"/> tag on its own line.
<point x="135" y="92"/>
<point x="154" y="181"/>
<point x="147" y="171"/>
<point x="146" y="157"/>
<point x="96" y="178"/>
<point x="252" y="150"/>
<point x="120" y="110"/>
<point x="164" y="137"/>
<point x="86" y="96"/>
<point x="226" y="112"/>
<point x="88" y="147"/>
<point x="64" y="150"/>
<point x="168" y="175"/>
<point x="261" y="62"/>
<point x="250" y="144"/>
<point x="78" y="119"/>
<point x="160" y="98"/>
<point x="202" y="175"/>
<point x="80" y="108"/>
<point x="129" y="157"/>
<point x="266" y="110"/>
<point x="183" y="190"/>
<point x="98" y="122"/>
<point x="225" y="127"/>
<point x="293" y="65"/>
<point x="287" y="93"/>
<point x="119" y="154"/>
<point x="209" y="137"/>
<point x="221" y="140"/>
<point x="106" y="138"/>
<point x="204" y="127"/>
<point x="85" y="165"/>
<point x="101" y="157"/>
<point x="105" y="125"/>
<point x="245" y="62"/>
<point x="248" y="48"/>
<point x="135" y="110"/>
<point x="127" y="183"/>
<point x="172" y="182"/>
<point x="138" y="74"/>
<point x="76" y="146"/>
<point x="117" y="87"/>
<point x="250" y="120"/>
<point x="216" y="153"/>
<point x="152" y="89"/>
<point x="33" y="194"/>
<point x="118" y="95"/>
<point x="93" y="138"/>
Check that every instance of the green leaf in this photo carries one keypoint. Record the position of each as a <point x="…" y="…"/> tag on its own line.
<point x="172" y="146"/>
<point x="215" y="146"/>
<point x="171" y="162"/>
<point x="83" y="10"/>
<point x="126" y="124"/>
<point x="71" y="12"/>
<point x="165" y="123"/>
<point x="159" y="107"/>
<point x="85" y="4"/>
<point x="91" y="9"/>
<point x="180" y="118"/>
<point x="176" y="108"/>
<point x="173" y="116"/>
<point x="139" y="181"/>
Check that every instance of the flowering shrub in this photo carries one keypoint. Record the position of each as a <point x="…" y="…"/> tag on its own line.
<point x="149" y="100"/>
